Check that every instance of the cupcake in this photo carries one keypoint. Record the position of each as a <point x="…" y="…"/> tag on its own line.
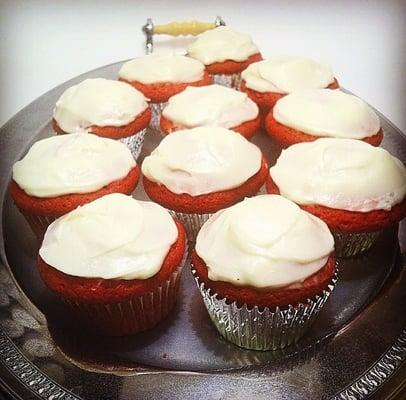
<point x="212" y="105"/>
<point x="308" y="115"/>
<point x="105" y="108"/>
<point x="116" y="262"/>
<point x="264" y="268"/>
<point x="63" y="172"/>
<point x="225" y="53"/>
<point x="159" y="77"/>
<point x="356" y="188"/>
<point x="196" y="172"/>
<point x="267" y="81"/>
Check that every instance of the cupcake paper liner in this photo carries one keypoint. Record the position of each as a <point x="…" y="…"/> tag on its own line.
<point x="134" y="315"/>
<point x="135" y="142"/>
<point x="39" y="223"/>
<point x="233" y="80"/>
<point x="156" y="109"/>
<point x="191" y="222"/>
<point x="353" y="244"/>
<point x="262" y="328"/>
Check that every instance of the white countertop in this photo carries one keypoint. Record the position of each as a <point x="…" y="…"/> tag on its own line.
<point x="45" y="43"/>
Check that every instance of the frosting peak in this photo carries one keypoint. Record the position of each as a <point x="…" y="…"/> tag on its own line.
<point x="221" y="44"/>
<point x="162" y="68"/>
<point x="100" y="102"/>
<point x="325" y="112"/>
<point x="202" y="160"/>
<point x="340" y="173"/>
<point x="213" y="105"/>
<point x="113" y="237"/>
<point x="286" y="75"/>
<point x="265" y="241"/>
<point x="75" y="163"/>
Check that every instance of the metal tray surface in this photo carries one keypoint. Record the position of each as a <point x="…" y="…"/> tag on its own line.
<point x="356" y="345"/>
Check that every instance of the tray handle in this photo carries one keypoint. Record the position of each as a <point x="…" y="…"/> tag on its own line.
<point x="176" y="29"/>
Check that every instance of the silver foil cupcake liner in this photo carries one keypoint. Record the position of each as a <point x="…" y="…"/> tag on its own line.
<point x="262" y="328"/>
<point x="134" y="315"/>
<point x="156" y="110"/>
<point x="39" y="223"/>
<point x="191" y="222"/>
<point x="231" y="80"/>
<point x="353" y="244"/>
<point x="135" y="142"/>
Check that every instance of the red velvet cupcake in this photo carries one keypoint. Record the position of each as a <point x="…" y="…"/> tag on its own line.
<point x="225" y="53"/>
<point x="160" y="77"/>
<point x="309" y="115"/>
<point x="199" y="171"/>
<point x="357" y="189"/>
<point x="61" y="173"/>
<point x="264" y="268"/>
<point x="105" y="108"/>
<point x="212" y="105"/>
<point x="267" y="81"/>
<point x="116" y="262"/>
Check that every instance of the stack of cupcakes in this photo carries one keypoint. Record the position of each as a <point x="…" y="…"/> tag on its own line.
<point x="264" y="265"/>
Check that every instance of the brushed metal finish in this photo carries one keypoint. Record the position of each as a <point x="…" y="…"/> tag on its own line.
<point x="348" y="363"/>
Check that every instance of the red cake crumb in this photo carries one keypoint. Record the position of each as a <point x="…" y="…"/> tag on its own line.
<point x="229" y="67"/>
<point x="267" y="100"/>
<point x="247" y="129"/>
<point x="59" y="205"/>
<point x="350" y="221"/>
<point x="286" y="136"/>
<point x="160" y="92"/>
<point x="105" y="291"/>
<point x="279" y="297"/>
<point x="140" y="122"/>
<point x="205" y="203"/>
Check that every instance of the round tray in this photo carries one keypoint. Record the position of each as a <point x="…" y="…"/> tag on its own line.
<point x="357" y="344"/>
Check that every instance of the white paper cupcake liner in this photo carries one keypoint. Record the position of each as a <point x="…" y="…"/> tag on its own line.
<point x="262" y="328"/>
<point x="231" y="80"/>
<point x="156" y="110"/>
<point x="353" y="244"/>
<point x="191" y="222"/>
<point x="134" y="315"/>
<point x="135" y="142"/>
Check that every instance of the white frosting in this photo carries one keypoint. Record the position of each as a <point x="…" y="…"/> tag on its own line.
<point x="287" y="75"/>
<point x="113" y="237"/>
<point x="212" y="105"/>
<point x="162" y="68"/>
<point x="100" y="102"/>
<point x="265" y="241"/>
<point x="221" y="44"/>
<point x="202" y="160"/>
<point x="325" y="112"/>
<point x="76" y="163"/>
<point x="340" y="173"/>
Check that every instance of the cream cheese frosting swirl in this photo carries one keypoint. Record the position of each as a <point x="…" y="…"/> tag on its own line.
<point x="100" y="102"/>
<point x="202" y="160"/>
<point x="221" y="44"/>
<point x="265" y="242"/>
<point x="161" y="69"/>
<point x="113" y="237"/>
<point x="76" y="163"/>
<point x="286" y="75"/>
<point x="325" y="112"/>
<point x="213" y="105"/>
<point x="342" y="174"/>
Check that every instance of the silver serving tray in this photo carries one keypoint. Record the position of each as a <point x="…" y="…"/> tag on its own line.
<point x="355" y="350"/>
